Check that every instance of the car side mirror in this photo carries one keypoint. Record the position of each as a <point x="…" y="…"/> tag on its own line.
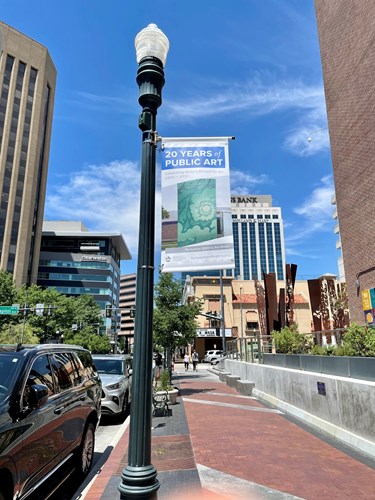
<point x="38" y="396"/>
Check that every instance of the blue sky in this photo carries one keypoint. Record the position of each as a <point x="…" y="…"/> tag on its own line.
<point x="246" y="68"/>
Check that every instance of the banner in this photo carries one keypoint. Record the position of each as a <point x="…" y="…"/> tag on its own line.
<point x="196" y="205"/>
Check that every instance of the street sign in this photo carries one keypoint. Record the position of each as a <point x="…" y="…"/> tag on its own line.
<point x="39" y="309"/>
<point x="9" y="310"/>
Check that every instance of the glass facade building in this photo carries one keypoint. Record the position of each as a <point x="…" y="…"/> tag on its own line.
<point x="258" y="237"/>
<point x="76" y="261"/>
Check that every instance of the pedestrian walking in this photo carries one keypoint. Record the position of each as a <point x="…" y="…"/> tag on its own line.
<point x="195" y="359"/>
<point x="186" y="362"/>
<point x="158" y="358"/>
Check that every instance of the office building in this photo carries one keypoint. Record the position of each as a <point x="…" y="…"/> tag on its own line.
<point x="258" y="238"/>
<point x="346" y="29"/>
<point x="27" y="80"/>
<point x="76" y="261"/>
<point x="127" y="307"/>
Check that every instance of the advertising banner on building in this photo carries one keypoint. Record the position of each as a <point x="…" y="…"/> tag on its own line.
<point x="196" y="206"/>
<point x="368" y="305"/>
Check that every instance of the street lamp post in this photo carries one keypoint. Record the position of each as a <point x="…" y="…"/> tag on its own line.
<point x="309" y="139"/>
<point x="241" y="320"/>
<point x="139" y="477"/>
<point x="222" y="312"/>
<point x="241" y="312"/>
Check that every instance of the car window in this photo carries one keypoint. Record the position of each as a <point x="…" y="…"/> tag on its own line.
<point x="9" y="368"/>
<point x="79" y="369"/>
<point x="66" y="373"/>
<point x="40" y="373"/>
<point x="109" y="366"/>
<point x="88" y="367"/>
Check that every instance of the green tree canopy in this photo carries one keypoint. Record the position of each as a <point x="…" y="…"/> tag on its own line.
<point x="174" y="323"/>
<point x="59" y="315"/>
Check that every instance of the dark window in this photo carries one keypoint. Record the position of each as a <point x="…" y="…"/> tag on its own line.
<point x="40" y="373"/>
<point x="87" y="364"/>
<point x="65" y="370"/>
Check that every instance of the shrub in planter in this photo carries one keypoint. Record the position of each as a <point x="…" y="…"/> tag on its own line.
<point x="164" y="382"/>
<point x="327" y="350"/>
<point x="289" y="341"/>
<point x="359" y="341"/>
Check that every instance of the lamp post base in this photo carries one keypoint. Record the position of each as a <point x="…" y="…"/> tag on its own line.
<point x="139" y="483"/>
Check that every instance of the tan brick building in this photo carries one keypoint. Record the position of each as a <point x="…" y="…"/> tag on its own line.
<point x="27" y="88"/>
<point x="240" y="309"/>
<point x="346" y="34"/>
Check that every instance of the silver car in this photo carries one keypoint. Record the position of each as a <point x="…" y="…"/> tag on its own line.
<point x="115" y="373"/>
<point x="211" y="355"/>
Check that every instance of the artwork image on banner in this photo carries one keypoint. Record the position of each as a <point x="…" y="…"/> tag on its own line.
<point x="196" y="205"/>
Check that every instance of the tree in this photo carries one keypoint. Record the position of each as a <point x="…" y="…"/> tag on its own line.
<point x="13" y="335"/>
<point x="59" y="313"/>
<point x="8" y="296"/>
<point x="97" y="344"/>
<point x="174" y="323"/>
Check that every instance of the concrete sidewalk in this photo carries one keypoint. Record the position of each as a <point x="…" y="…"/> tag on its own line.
<point x="220" y="445"/>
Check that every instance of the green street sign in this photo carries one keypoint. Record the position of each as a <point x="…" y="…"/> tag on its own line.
<point x="9" y="309"/>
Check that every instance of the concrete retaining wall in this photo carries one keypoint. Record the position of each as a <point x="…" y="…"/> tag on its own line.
<point x="342" y="407"/>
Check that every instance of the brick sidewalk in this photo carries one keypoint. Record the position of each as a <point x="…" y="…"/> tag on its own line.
<point x="220" y="445"/>
<point x="241" y="437"/>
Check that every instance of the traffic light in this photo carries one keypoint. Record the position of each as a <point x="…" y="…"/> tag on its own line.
<point x="132" y="312"/>
<point x="108" y="311"/>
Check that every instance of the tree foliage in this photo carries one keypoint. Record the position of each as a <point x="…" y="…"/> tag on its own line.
<point x="174" y="323"/>
<point x="289" y="341"/>
<point x="59" y="314"/>
<point x="357" y="341"/>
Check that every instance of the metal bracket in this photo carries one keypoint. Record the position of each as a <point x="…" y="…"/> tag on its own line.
<point x="155" y="138"/>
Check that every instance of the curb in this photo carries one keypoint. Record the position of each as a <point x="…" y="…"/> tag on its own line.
<point x="81" y="493"/>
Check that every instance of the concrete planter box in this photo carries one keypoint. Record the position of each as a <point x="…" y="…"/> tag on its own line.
<point x="172" y="395"/>
<point x="340" y="366"/>
<point x="274" y="359"/>
<point x="311" y="363"/>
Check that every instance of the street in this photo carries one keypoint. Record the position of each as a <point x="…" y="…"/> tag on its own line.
<point x="105" y="439"/>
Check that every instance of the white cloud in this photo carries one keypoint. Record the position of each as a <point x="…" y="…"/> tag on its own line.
<point x="316" y="214"/>
<point x="104" y="197"/>
<point x="254" y="97"/>
<point x="242" y="182"/>
<point x="259" y="96"/>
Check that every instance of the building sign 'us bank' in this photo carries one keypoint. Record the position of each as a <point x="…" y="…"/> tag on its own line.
<point x="250" y="200"/>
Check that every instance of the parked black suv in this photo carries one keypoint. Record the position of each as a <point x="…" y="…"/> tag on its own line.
<point x="49" y="411"/>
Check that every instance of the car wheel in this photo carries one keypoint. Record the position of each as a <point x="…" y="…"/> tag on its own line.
<point x="85" y="456"/>
<point x="125" y="405"/>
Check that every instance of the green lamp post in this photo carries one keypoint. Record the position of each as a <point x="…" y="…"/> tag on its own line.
<point x="139" y="477"/>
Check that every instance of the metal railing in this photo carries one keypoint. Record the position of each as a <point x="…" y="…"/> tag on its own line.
<point x="252" y="348"/>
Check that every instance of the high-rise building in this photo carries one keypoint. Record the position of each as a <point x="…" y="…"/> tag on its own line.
<point x="258" y="236"/>
<point x="346" y="30"/>
<point x="127" y="306"/>
<point x="75" y="261"/>
<point x="27" y="80"/>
